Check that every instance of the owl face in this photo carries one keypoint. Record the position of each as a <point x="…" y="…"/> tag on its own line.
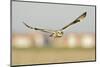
<point x="59" y="33"/>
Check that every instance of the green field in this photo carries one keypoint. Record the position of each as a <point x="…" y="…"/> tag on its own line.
<point x="51" y="55"/>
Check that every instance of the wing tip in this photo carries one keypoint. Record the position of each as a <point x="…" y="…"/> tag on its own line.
<point x="23" y="22"/>
<point x="84" y="14"/>
<point x="27" y="25"/>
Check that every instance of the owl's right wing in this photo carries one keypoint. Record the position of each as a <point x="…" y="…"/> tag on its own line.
<point x="43" y="30"/>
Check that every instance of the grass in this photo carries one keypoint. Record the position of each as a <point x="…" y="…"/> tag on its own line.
<point x="51" y="55"/>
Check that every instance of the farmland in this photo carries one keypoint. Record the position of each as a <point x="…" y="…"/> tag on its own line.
<point x="51" y="55"/>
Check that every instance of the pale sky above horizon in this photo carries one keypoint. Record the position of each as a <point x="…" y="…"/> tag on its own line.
<point x="51" y="16"/>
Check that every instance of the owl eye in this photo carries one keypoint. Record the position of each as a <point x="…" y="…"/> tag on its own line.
<point x="59" y="32"/>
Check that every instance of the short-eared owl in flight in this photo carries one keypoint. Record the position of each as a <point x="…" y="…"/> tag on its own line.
<point x="59" y="33"/>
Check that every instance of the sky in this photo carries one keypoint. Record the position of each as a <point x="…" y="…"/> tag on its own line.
<point x="51" y="16"/>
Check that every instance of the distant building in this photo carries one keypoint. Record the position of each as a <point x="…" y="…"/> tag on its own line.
<point x="87" y="40"/>
<point x="72" y="40"/>
<point x="38" y="39"/>
<point x="21" y="41"/>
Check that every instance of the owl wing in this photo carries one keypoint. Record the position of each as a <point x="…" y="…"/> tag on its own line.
<point x="43" y="30"/>
<point x="79" y="19"/>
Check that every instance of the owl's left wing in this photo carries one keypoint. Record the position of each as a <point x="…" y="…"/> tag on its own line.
<point x="79" y="19"/>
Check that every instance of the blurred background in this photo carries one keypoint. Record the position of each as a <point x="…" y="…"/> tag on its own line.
<point x="39" y="40"/>
<point x="36" y="47"/>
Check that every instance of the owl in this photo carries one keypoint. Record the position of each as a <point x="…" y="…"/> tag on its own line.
<point x="59" y="32"/>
